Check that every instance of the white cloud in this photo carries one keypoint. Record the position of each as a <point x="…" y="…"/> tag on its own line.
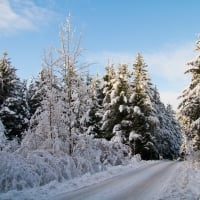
<point x="18" y="15"/>
<point x="170" y="63"/>
<point x="9" y="19"/>
<point x="170" y="98"/>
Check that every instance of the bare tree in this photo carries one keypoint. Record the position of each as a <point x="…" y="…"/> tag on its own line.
<point x="70" y="68"/>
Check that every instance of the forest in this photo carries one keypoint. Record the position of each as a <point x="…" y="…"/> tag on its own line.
<point x="66" y="122"/>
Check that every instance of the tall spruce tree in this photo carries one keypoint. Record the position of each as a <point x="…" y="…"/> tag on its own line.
<point x="189" y="108"/>
<point x="141" y="136"/>
<point x="116" y="91"/>
<point x="119" y="103"/>
<point x="13" y="103"/>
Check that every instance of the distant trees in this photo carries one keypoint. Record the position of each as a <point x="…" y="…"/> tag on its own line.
<point x="189" y="108"/>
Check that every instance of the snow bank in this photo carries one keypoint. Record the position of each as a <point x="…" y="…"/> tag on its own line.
<point x="54" y="188"/>
<point x="185" y="184"/>
<point x="38" y="168"/>
<point x="27" y="168"/>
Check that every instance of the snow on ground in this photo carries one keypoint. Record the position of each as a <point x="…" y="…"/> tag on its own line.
<point x="184" y="184"/>
<point x="54" y="188"/>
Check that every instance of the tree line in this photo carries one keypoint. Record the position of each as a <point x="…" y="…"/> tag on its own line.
<point x="64" y="102"/>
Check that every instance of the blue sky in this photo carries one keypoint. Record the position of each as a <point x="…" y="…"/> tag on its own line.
<point x="163" y="31"/>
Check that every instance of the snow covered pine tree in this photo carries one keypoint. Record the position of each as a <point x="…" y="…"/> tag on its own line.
<point x="189" y="108"/>
<point x="13" y="103"/>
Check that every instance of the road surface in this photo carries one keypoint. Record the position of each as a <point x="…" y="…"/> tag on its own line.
<point x="139" y="184"/>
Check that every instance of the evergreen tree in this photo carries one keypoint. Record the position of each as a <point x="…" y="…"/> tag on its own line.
<point x="13" y="103"/>
<point x="7" y="78"/>
<point x="34" y="94"/>
<point x="141" y="136"/>
<point x="116" y="91"/>
<point x="189" y="108"/>
<point x="108" y="78"/>
<point x="163" y="126"/>
<point x="95" y="113"/>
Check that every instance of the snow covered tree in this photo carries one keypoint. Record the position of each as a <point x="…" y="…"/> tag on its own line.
<point x="189" y="108"/>
<point x="34" y="94"/>
<point x="167" y="131"/>
<point x="119" y="101"/>
<point x="174" y="134"/>
<point x="95" y="113"/>
<point x="116" y="91"/>
<point x="7" y="75"/>
<point x="59" y="98"/>
<point x="141" y="136"/>
<point x="73" y="84"/>
<point x="47" y="123"/>
<point x="163" y="125"/>
<point x="13" y="102"/>
<point x="108" y="78"/>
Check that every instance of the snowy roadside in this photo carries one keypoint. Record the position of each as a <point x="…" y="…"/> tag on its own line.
<point x="184" y="183"/>
<point x="55" y="188"/>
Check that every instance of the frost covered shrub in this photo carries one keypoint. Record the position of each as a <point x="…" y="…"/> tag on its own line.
<point x="16" y="173"/>
<point x="93" y="155"/>
<point x="12" y="145"/>
<point x="36" y="169"/>
<point x="27" y="168"/>
<point x="51" y="167"/>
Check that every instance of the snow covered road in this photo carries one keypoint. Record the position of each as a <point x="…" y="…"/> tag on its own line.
<point x="146" y="182"/>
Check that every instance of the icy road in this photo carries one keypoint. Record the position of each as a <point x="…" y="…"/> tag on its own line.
<point x="146" y="182"/>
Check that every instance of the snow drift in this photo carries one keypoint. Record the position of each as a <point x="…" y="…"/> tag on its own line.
<point x="31" y="168"/>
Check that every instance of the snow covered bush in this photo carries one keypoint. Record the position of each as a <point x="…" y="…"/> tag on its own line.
<point x="16" y="173"/>
<point x="26" y="168"/>
<point x="36" y="169"/>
